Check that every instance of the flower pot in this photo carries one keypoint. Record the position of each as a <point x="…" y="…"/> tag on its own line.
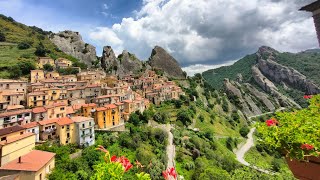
<point x="305" y="170"/>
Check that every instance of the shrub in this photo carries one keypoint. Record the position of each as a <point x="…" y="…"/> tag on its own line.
<point x="15" y="72"/>
<point x="244" y="131"/>
<point x="40" y="50"/>
<point x="2" y="37"/>
<point x="24" y="45"/>
<point x="184" y="117"/>
<point x="48" y="67"/>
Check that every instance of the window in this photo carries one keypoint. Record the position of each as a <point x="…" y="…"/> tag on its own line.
<point x="54" y="133"/>
<point x="68" y="135"/>
<point x="83" y="125"/>
<point x="27" y="114"/>
<point x="33" y="130"/>
<point x="21" y="133"/>
<point x="3" y="138"/>
<point x="40" y="176"/>
<point x="62" y="127"/>
<point x="61" y="109"/>
<point x="19" y="116"/>
<point x="68" y="127"/>
<point x="89" y="123"/>
<point x="6" y="118"/>
<point x="67" y="141"/>
<point x="82" y="132"/>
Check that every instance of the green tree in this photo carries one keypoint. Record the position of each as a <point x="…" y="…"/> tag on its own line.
<point x="215" y="174"/>
<point x="244" y="131"/>
<point x="134" y="119"/>
<point x="26" y="66"/>
<point x="24" y="45"/>
<point x="15" y="72"/>
<point x="48" y="67"/>
<point x="79" y="64"/>
<point x="40" y="50"/>
<point x="2" y="37"/>
<point x="184" y="117"/>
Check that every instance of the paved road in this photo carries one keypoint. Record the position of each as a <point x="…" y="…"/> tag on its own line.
<point x="245" y="148"/>
<point x="280" y="109"/>
<point x="171" y="149"/>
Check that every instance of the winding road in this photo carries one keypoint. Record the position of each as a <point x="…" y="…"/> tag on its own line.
<point x="245" y="148"/>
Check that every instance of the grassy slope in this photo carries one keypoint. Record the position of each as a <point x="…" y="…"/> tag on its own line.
<point x="215" y="76"/>
<point x="16" y="33"/>
<point x="306" y="63"/>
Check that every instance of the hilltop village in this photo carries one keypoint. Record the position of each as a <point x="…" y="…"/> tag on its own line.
<point x="68" y="109"/>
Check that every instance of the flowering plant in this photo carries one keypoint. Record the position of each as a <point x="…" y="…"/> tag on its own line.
<point x="297" y="134"/>
<point x="115" y="167"/>
<point x="170" y="174"/>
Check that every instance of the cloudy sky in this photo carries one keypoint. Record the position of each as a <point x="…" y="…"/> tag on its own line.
<point x="200" y="34"/>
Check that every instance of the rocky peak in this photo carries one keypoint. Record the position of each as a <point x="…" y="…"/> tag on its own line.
<point x="162" y="60"/>
<point x="71" y="43"/>
<point x="108" y="57"/>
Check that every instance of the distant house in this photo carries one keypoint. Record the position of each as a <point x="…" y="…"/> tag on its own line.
<point x="33" y="128"/>
<point x="84" y="130"/>
<point x="107" y="116"/>
<point x="44" y="60"/>
<point x="315" y="9"/>
<point x="39" y="113"/>
<point x="12" y="118"/>
<point x="48" y="129"/>
<point x="66" y="131"/>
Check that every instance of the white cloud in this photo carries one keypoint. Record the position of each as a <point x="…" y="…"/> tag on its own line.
<point x="211" y="32"/>
<point x="199" y="68"/>
<point x="105" y="6"/>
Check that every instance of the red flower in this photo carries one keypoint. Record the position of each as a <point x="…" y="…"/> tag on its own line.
<point x="271" y="122"/>
<point x="307" y="96"/>
<point x="306" y="147"/>
<point x="122" y="160"/>
<point x="169" y="173"/>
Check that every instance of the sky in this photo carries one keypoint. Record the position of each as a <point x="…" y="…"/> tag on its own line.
<point x="200" y="34"/>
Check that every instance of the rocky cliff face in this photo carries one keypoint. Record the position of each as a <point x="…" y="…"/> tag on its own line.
<point x="125" y="64"/>
<point x="160" y="59"/>
<point x="71" y="43"/>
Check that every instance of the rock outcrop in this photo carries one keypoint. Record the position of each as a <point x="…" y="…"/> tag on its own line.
<point x="125" y="64"/>
<point x="162" y="60"/>
<point x="71" y="43"/>
<point x="247" y="105"/>
<point x="281" y="74"/>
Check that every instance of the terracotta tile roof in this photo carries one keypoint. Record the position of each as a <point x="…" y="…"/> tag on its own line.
<point x="48" y="121"/>
<point x="12" y="113"/>
<point x="28" y="162"/>
<point x="69" y="110"/>
<point x="110" y="106"/>
<point x="11" y="129"/>
<point x="77" y="106"/>
<point x="11" y="80"/>
<point x="11" y="107"/>
<point x="93" y="85"/>
<point x="56" y="105"/>
<point x="39" y="110"/>
<point x="81" y="118"/>
<point x="89" y="105"/>
<point x="10" y="93"/>
<point x="16" y="138"/>
<point x="101" y="109"/>
<point x="119" y="103"/>
<point x="127" y="101"/>
<point x="30" y="125"/>
<point x="64" y="121"/>
<point x="37" y="93"/>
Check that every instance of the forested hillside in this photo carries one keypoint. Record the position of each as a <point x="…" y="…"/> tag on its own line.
<point x="20" y="45"/>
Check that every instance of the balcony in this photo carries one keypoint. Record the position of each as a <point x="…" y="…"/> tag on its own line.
<point x="86" y="134"/>
<point x="51" y="130"/>
<point x="54" y="92"/>
<point x="86" y="127"/>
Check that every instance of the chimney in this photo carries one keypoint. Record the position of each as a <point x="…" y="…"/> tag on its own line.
<point x="19" y="161"/>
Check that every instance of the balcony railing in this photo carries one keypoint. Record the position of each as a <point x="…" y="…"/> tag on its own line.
<point x="48" y="131"/>
<point x="86" y="134"/>
<point x="86" y="127"/>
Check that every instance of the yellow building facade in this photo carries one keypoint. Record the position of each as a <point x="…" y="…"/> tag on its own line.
<point x="36" y="76"/>
<point x="44" y="60"/>
<point x="16" y="146"/>
<point x="37" y="99"/>
<point x="66" y="131"/>
<point x="107" y="116"/>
